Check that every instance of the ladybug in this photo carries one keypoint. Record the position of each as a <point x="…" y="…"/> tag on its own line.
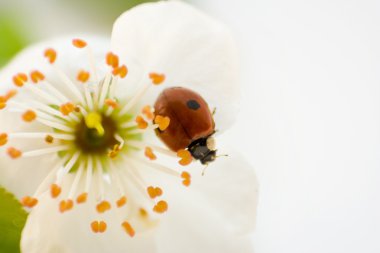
<point x="191" y="123"/>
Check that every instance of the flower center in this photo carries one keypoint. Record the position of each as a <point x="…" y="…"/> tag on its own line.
<point x="95" y="134"/>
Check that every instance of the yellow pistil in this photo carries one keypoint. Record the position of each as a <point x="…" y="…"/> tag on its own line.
<point x="94" y="121"/>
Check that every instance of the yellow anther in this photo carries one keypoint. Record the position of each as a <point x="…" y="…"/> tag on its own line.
<point x="161" y="207"/>
<point x="49" y="139"/>
<point x="111" y="103"/>
<point x="103" y="206"/>
<point x="154" y="192"/>
<point x="121" y="202"/>
<point x="186" y="178"/>
<point x="147" y="111"/>
<point x="67" y="108"/>
<point x="149" y="153"/>
<point x="83" y="76"/>
<point x="121" y="71"/>
<point x="55" y="190"/>
<point x="185" y="156"/>
<point x="112" y="60"/>
<point x="141" y="123"/>
<point x="98" y="226"/>
<point x="14" y="153"/>
<point x="82" y="198"/>
<point x="79" y="43"/>
<point x="128" y="228"/>
<point x="163" y="122"/>
<point x="28" y="201"/>
<point x="143" y="212"/>
<point x="20" y="79"/>
<point x="66" y="205"/>
<point x="51" y="55"/>
<point x="94" y="121"/>
<point x="157" y="78"/>
<point x="29" y="116"/>
<point x="3" y="139"/>
<point x="37" y="76"/>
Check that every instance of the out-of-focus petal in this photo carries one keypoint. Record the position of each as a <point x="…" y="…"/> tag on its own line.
<point x="190" y="48"/>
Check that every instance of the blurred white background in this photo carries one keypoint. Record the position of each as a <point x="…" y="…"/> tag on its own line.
<point x="311" y="120"/>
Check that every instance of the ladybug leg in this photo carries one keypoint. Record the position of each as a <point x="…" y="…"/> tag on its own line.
<point x="214" y="111"/>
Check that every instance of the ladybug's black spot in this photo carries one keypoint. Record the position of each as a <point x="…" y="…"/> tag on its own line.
<point x="193" y="105"/>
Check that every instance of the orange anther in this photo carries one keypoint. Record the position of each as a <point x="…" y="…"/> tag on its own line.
<point x="10" y="94"/>
<point x="163" y="122"/>
<point x="141" y="123"/>
<point x="186" y="182"/>
<point x="82" y="198"/>
<point x="20" y="79"/>
<point x="121" y="202"/>
<point x="3" y="139"/>
<point x="29" y="116"/>
<point x="149" y="153"/>
<point x="161" y="207"/>
<point x="51" y="55"/>
<point x="112" y="60"/>
<point x="67" y="108"/>
<point x="2" y="105"/>
<point x="186" y="178"/>
<point x="147" y="111"/>
<point x="55" y="190"/>
<point x="14" y="153"/>
<point x="121" y="71"/>
<point x="28" y="201"/>
<point x="79" y="43"/>
<point x="37" y="76"/>
<point x="66" y="205"/>
<point x="185" y="156"/>
<point x="83" y="76"/>
<point x="154" y="192"/>
<point x="103" y="206"/>
<point x="49" y="139"/>
<point x="128" y="228"/>
<point x="111" y="103"/>
<point x="157" y="78"/>
<point x="98" y="226"/>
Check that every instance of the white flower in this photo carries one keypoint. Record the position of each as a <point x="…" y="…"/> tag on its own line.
<point x="73" y="136"/>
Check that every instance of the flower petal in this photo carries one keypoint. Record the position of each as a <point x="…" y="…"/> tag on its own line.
<point x="191" y="49"/>
<point x="48" y="230"/>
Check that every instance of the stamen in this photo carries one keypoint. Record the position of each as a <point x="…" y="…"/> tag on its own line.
<point x="104" y="91"/>
<point x="185" y="156"/>
<point x="157" y="79"/>
<point x="29" y="201"/>
<point x="14" y="153"/>
<point x="121" y="202"/>
<point x="186" y="178"/>
<point x="76" y="182"/>
<point x="83" y="76"/>
<point x="40" y="135"/>
<point x="55" y="190"/>
<point x="147" y="111"/>
<point x="163" y="122"/>
<point x="82" y="198"/>
<point x="111" y="103"/>
<point x="67" y="108"/>
<point x="154" y="192"/>
<point x="3" y="139"/>
<point x="149" y="153"/>
<point x="37" y="76"/>
<point x="98" y="226"/>
<point x="79" y="43"/>
<point x="65" y="205"/>
<point x="20" y="79"/>
<point x="103" y="206"/>
<point x="112" y="60"/>
<point x="49" y="139"/>
<point x="141" y="123"/>
<point x="161" y="207"/>
<point x="51" y="55"/>
<point x="157" y="166"/>
<point x="128" y="228"/>
<point x="121" y="71"/>
<point x="46" y="151"/>
<point x="29" y="116"/>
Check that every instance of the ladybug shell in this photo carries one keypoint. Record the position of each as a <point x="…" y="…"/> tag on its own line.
<point x="190" y="117"/>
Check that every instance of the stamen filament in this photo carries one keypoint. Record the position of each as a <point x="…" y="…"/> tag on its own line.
<point x="41" y="135"/>
<point x="45" y="151"/>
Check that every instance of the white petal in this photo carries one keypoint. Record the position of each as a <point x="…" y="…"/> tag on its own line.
<point x="190" y="48"/>
<point x="48" y="230"/>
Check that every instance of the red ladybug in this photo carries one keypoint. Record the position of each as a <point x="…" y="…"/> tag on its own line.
<point x="191" y="123"/>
